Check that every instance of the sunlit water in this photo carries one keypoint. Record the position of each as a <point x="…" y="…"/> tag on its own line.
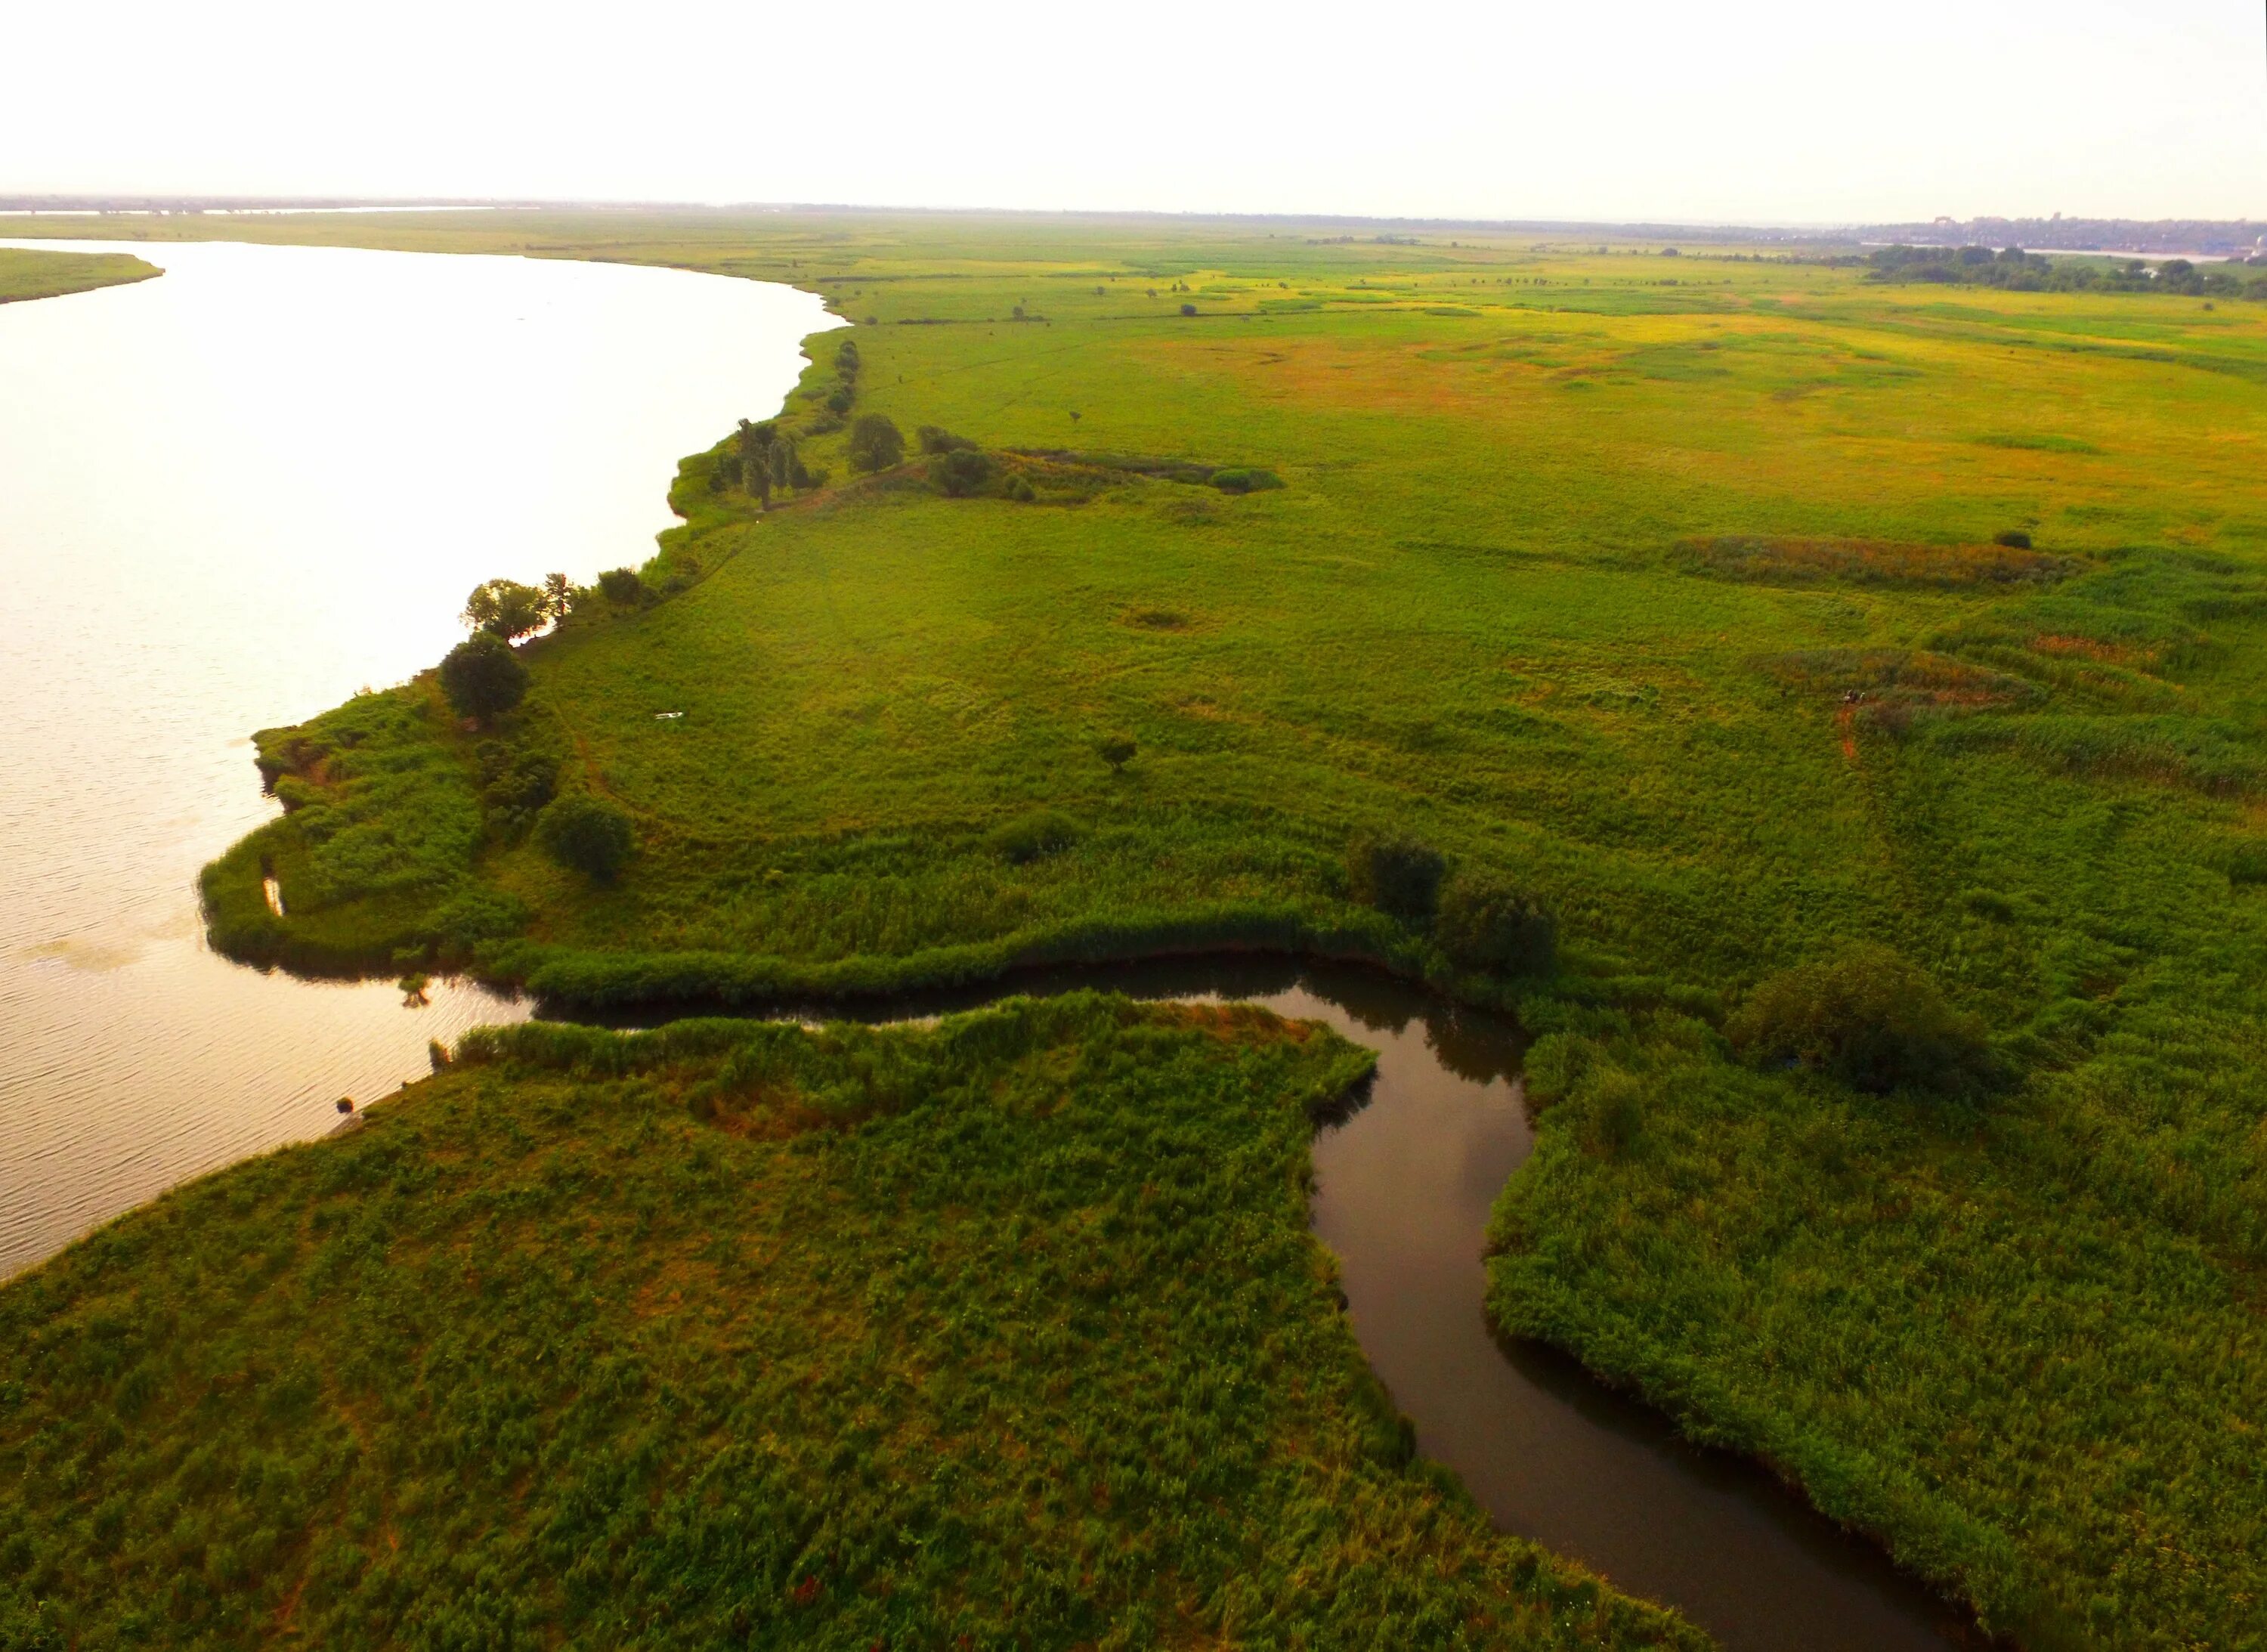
<point x="230" y="497"/>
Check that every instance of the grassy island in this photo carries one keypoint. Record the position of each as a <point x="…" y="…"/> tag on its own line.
<point x="1753" y="620"/>
<point x="45" y="274"/>
<point x="1004" y="1332"/>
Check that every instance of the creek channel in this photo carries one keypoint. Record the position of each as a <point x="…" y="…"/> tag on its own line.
<point x="1404" y="1188"/>
<point x="231" y="495"/>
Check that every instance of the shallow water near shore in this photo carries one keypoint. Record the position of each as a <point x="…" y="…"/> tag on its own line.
<point x="230" y="497"/>
<point x="1403" y="1190"/>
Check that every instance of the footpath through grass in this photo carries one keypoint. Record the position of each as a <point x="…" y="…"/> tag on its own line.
<point x="1665" y="590"/>
<point x="1008" y="1333"/>
<point x="43" y="275"/>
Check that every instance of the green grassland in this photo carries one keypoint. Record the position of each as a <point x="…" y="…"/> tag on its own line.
<point x="44" y="275"/>
<point x="1660" y="587"/>
<point x="1004" y="1332"/>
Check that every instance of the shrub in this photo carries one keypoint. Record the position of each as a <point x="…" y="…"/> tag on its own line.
<point x="2014" y="539"/>
<point x="846" y="358"/>
<point x="1395" y="874"/>
<point x="936" y="439"/>
<point x="876" y="442"/>
<point x="1020" y="489"/>
<point x="514" y="784"/>
<point x="586" y="834"/>
<point x="1866" y="1016"/>
<point x="838" y="400"/>
<point x="960" y="473"/>
<point x="1116" y="750"/>
<point x="1031" y="837"/>
<point x="1188" y="309"/>
<point x="1486" y="924"/>
<point x="1245" y="480"/>
<point x="622" y="587"/>
<point x="481" y="676"/>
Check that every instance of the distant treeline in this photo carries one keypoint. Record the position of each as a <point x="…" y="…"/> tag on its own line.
<point x="2223" y="237"/>
<point x="2019" y="271"/>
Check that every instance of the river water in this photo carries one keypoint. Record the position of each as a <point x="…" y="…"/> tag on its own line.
<point x="231" y="495"/>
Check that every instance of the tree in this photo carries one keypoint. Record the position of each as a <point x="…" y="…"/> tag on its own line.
<point x="876" y="442"/>
<point x="1116" y="750"/>
<point x="558" y="597"/>
<point x="507" y="609"/>
<point x="755" y="442"/>
<point x="960" y="473"/>
<point x="1866" y="1016"/>
<point x="482" y="678"/>
<point x="621" y="586"/>
<point x="586" y="834"/>
<point x="1486" y="924"/>
<point x="1398" y="875"/>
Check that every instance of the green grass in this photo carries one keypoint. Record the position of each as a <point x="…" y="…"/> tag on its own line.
<point x="1006" y="1332"/>
<point x="45" y="274"/>
<point x="1662" y="590"/>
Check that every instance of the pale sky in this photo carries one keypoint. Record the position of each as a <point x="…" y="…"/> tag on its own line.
<point x="1754" y="111"/>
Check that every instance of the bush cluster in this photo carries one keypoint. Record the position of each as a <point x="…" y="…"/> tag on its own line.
<point x="1032" y="837"/>
<point x="1486" y="924"/>
<point x="482" y="677"/>
<point x="876" y="442"/>
<point x="962" y="472"/>
<point x="586" y="834"/>
<point x="1866" y="1016"/>
<point x="1397" y="876"/>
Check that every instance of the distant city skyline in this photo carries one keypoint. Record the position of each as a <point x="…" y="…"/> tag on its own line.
<point x="1753" y="112"/>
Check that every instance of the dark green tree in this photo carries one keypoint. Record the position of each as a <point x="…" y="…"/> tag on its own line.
<point x="586" y="834"/>
<point x="482" y="678"/>
<point x="1116" y="750"/>
<point x="876" y="442"/>
<point x="1397" y="876"/>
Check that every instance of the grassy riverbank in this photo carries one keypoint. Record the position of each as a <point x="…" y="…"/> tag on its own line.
<point x="1664" y="588"/>
<point x="1006" y="1332"/>
<point x="44" y="275"/>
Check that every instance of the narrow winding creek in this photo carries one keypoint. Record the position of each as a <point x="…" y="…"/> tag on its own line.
<point x="231" y="495"/>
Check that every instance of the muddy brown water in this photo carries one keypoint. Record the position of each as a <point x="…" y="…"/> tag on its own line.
<point x="1403" y="1190"/>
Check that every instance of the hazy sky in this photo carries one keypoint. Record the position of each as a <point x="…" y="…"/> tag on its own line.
<point x="1754" y="110"/>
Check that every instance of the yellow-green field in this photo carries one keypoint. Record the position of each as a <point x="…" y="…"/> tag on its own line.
<point x="44" y="275"/>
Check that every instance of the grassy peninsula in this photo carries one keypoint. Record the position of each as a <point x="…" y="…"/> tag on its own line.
<point x="1008" y="1331"/>
<point x="45" y="274"/>
<point x="1739" y="611"/>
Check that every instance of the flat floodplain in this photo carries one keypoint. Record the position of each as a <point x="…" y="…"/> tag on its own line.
<point x="1665" y="587"/>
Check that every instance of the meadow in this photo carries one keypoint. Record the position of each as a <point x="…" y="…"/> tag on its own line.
<point x="1667" y="589"/>
<point x="44" y="275"/>
<point x="1006" y="1331"/>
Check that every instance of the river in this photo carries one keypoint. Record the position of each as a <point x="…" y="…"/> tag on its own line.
<point x="231" y="495"/>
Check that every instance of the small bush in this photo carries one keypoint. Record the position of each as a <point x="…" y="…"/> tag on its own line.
<point x="482" y="678"/>
<point x="1020" y="489"/>
<point x="1032" y="837"/>
<point x="840" y="398"/>
<point x="876" y="442"/>
<point x="1868" y="1017"/>
<point x="2014" y="539"/>
<point x="960" y="473"/>
<point x="1188" y="309"/>
<point x="1486" y="924"/>
<point x="586" y="834"/>
<point x="936" y="439"/>
<point x="1116" y="750"/>
<point x="1395" y="874"/>
<point x="622" y="587"/>
<point x="1245" y="480"/>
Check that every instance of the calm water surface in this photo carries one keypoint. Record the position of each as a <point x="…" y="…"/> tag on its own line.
<point x="228" y="497"/>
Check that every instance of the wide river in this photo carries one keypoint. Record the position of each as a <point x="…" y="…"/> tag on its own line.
<point x="231" y="495"/>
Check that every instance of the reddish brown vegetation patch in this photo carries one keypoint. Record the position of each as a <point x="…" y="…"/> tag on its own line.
<point x="1803" y="562"/>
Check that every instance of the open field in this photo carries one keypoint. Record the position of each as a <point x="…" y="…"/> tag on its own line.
<point x="1663" y="589"/>
<point x="43" y="275"/>
<point x="1006" y="1332"/>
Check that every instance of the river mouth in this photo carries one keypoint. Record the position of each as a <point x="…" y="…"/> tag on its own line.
<point x="1405" y="1186"/>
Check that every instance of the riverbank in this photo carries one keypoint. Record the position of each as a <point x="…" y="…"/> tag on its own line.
<point x="1669" y="601"/>
<point x="814" y="1247"/>
<point x="25" y="276"/>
